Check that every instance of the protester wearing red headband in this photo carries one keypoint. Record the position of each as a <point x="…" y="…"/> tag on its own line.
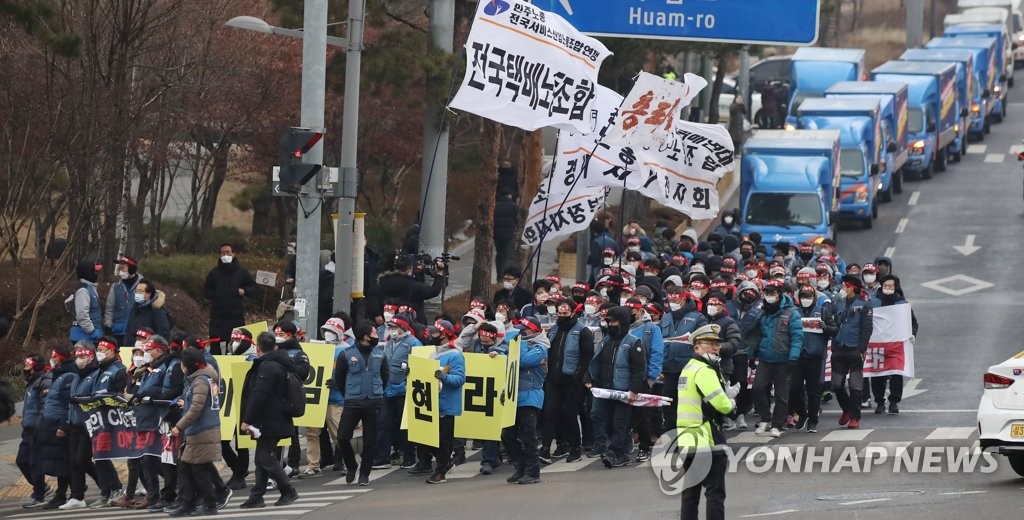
<point x="200" y="425"/>
<point x="570" y="350"/>
<point x="38" y="380"/>
<point x="397" y="349"/>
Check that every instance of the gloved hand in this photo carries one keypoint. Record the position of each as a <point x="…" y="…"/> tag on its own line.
<point x="405" y="368"/>
<point x="732" y="391"/>
<point x="439" y="374"/>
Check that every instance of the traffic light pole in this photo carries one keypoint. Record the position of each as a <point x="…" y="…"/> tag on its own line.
<point x="314" y="77"/>
<point x="344" y="254"/>
<point x="434" y="191"/>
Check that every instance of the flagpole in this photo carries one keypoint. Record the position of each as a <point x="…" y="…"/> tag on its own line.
<point x="547" y="199"/>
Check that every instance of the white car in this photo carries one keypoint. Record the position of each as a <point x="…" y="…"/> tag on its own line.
<point x="1001" y="412"/>
<point x="725" y="101"/>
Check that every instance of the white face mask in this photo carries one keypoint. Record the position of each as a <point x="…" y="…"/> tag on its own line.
<point x="771" y="299"/>
<point x="138" y="361"/>
<point x="388" y="315"/>
<point x="651" y="273"/>
<point x="508" y="285"/>
<point x="699" y="293"/>
<point x="634" y="265"/>
<point x="235" y="345"/>
<point x="888" y="292"/>
<point x="635" y="249"/>
<point x="751" y="273"/>
<point x="330" y="337"/>
<point x="607" y="260"/>
<point x="500" y="316"/>
<point x="122" y="275"/>
<point x="675" y="306"/>
<point x="713" y="310"/>
<point x="555" y="289"/>
<point x="53" y="363"/>
<point x="279" y="339"/>
<point x="589" y="309"/>
<point x="822" y="284"/>
<point x="552" y="309"/>
<point x="622" y="301"/>
<point x="147" y="358"/>
<point x="869" y="278"/>
<point x="806" y="302"/>
<point x="100" y="356"/>
<point x="226" y="259"/>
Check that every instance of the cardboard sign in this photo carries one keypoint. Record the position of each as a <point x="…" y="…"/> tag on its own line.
<point x="482" y="408"/>
<point x="422" y="402"/>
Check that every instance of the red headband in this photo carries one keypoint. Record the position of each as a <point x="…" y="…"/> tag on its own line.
<point x="106" y="344"/>
<point x="143" y="334"/>
<point x="634" y="305"/>
<point x="487" y="334"/>
<point x="126" y="260"/>
<point x="444" y="330"/>
<point x="528" y="324"/>
<point x="58" y="355"/>
<point x="401" y="323"/>
<point x="239" y="336"/>
<point x="84" y="352"/>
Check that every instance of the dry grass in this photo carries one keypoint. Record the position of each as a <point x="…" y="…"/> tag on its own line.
<point x="881" y="43"/>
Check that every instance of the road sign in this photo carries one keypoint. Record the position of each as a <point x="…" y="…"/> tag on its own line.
<point x="266" y="278"/>
<point x="330" y="188"/>
<point x="790" y="22"/>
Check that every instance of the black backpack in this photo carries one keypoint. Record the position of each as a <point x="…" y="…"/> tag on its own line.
<point x="293" y="400"/>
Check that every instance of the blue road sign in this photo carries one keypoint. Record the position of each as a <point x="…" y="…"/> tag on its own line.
<point x="790" y="22"/>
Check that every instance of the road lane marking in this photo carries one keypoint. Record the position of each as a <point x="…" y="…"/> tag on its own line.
<point x="976" y="148"/>
<point x="994" y="158"/>
<point x="902" y="226"/>
<point x="965" y="492"/>
<point x="855" y="502"/>
<point x="890" y="252"/>
<point x="951" y="433"/>
<point x="912" y="201"/>
<point x="889" y="449"/>
<point x="770" y="514"/>
<point x="847" y="435"/>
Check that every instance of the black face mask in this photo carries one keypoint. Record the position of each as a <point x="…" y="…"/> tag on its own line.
<point x="806" y="257"/>
<point x="746" y="254"/>
<point x="616" y="331"/>
<point x="372" y="341"/>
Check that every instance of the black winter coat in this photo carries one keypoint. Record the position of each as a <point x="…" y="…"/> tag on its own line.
<point x="506" y="213"/>
<point x="405" y="289"/>
<point x="227" y="308"/>
<point x="148" y="314"/>
<point x="263" y="394"/>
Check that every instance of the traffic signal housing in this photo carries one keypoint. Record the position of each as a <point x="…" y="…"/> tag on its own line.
<point x="295" y="144"/>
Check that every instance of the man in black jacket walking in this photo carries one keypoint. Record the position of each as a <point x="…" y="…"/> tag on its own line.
<point x="227" y="286"/>
<point x="506" y="213"/>
<point x="572" y="348"/>
<point x="264" y="417"/>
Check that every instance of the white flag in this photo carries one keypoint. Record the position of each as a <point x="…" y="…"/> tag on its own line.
<point x="561" y="215"/>
<point x="529" y="68"/>
<point x="652" y="108"/>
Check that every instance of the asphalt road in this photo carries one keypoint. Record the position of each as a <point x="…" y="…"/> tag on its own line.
<point x="969" y="309"/>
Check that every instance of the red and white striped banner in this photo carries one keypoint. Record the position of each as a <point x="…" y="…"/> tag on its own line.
<point x="890" y="351"/>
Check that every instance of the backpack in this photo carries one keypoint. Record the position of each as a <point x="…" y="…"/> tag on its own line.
<point x="293" y="400"/>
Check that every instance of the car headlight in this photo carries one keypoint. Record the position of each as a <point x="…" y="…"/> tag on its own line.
<point x="861" y="195"/>
<point x="919" y="146"/>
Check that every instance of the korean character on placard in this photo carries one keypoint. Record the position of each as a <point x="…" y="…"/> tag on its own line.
<point x="531" y="86"/>
<point x="513" y="74"/>
<point x="628" y="158"/>
<point x="680" y="193"/>
<point x="664" y="115"/>
<point x="688" y="156"/>
<point x="497" y="64"/>
<point x="701" y="197"/>
<point x="670" y="144"/>
<point x="581" y="99"/>
<point x="421" y="400"/>
<point x="544" y="92"/>
<point x="480" y="395"/>
<point x="696" y="138"/>
<point x="561" y="94"/>
<point x="631" y="116"/>
<point x="481" y="54"/>
<point x="710" y="164"/>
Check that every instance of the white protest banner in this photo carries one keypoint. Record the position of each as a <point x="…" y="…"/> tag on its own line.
<point x="529" y="68"/>
<point x="890" y="351"/>
<point x="578" y="210"/>
<point x="574" y="148"/>
<point x="652" y="108"/>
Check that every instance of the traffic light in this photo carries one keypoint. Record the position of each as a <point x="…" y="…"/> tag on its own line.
<point x="295" y="143"/>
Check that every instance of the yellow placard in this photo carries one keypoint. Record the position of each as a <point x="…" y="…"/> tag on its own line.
<point x="126" y="356"/>
<point x="482" y="409"/>
<point x="321" y="362"/>
<point x="231" y="393"/>
<point x="254" y="329"/>
<point x="422" y="351"/>
<point x="422" y="405"/>
<point x="510" y="396"/>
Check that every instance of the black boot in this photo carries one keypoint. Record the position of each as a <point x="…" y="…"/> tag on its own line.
<point x="516" y="476"/>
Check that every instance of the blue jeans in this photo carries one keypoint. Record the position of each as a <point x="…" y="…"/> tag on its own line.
<point x="391" y="432"/>
<point x="491" y="453"/>
<point x="611" y="426"/>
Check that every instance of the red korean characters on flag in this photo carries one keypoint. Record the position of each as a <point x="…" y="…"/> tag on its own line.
<point x="890" y="351"/>
<point x="652" y="108"/>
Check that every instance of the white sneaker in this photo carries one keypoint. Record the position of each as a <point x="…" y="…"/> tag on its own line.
<point x="728" y="425"/>
<point x="114" y="497"/>
<point x="774" y="432"/>
<point x="741" y="422"/>
<point x="761" y="428"/>
<point x="73" y="503"/>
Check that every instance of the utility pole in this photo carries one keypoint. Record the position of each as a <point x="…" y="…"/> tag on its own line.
<point x="434" y="192"/>
<point x="314" y="77"/>
<point x="343" y="255"/>
<point x="915" y="23"/>
<point x="743" y="82"/>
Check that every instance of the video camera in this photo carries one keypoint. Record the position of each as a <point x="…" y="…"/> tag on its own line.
<point x="424" y="264"/>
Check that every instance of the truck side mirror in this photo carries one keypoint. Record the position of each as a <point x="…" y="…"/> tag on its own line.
<point x="964" y="112"/>
<point x="874" y="169"/>
<point x="891" y="148"/>
<point x="931" y="127"/>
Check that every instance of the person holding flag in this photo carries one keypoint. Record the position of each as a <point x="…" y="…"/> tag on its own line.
<point x="521" y="437"/>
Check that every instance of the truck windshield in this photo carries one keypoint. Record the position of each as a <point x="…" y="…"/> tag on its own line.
<point x="784" y="209"/>
<point x="915" y="120"/>
<point x="851" y="162"/>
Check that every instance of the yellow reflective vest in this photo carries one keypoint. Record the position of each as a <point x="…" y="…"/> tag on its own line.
<point x="698" y="384"/>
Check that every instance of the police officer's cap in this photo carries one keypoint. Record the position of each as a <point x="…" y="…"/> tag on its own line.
<point x="707" y="333"/>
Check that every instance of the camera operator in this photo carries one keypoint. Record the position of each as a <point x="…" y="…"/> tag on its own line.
<point x="402" y="286"/>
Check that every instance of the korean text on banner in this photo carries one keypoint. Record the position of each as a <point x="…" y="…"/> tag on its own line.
<point x="321" y="362"/>
<point x="890" y="351"/>
<point x="510" y="395"/>
<point x="422" y="403"/>
<point x="114" y="436"/>
<point x="230" y="395"/>
<point x="652" y="108"/>
<point x="549" y="218"/>
<point x="529" y="68"/>
<point x="482" y="410"/>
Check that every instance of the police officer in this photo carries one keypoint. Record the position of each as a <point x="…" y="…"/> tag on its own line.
<point x="703" y="401"/>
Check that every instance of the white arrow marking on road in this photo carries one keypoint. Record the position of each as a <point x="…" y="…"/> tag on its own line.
<point x="910" y="389"/>
<point x="568" y="8"/>
<point x="968" y="248"/>
<point x="913" y="198"/>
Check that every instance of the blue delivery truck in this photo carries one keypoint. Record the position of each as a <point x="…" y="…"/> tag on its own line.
<point x="984" y="49"/>
<point x="859" y="122"/>
<point x="931" y="120"/>
<point x="788" y="185"/>
<point x="1003" y="49"/>
<point x="814" y="69"/>
<point x="893" y="99"/>
<point x="965" y="88"/>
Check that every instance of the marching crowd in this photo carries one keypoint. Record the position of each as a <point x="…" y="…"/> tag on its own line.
<point x="631" y="328"/>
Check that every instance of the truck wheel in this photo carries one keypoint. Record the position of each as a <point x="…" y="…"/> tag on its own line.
<point x="958" y="155"/>
<point x="886" y="195"/>
<point x="1017" y="463"/>
<point x="988" y="128"/>
<point x="897" y="182"/>
<point x="940" y="160"/>
<point x="868" y="222"/>
<point x="929" y="171"/>
<point x="874" y="209"/>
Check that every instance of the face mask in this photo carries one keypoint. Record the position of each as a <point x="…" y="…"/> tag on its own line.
<point x="699" y="293"/>
<point x="53" y="363"/>
<point x="279" y="339"/>
<point x="330" y="337"/>
<point x="771" y="299"/>
<point x="81" y="363"/>
<point x="805" y="256"/>
<point x="713" y="310"/>
<point x="388" y="316"/>
<point x="122" y="275"/>
<point x="634" y="265"/>
<point x="508" y="285"/>
<point x="747" y="298"/>
<point x="138" y="361"/>
<point x="883" y="271"/>
<point x="555" y="289"/>
<point x="140" y="297"/>
<point x="869" y="278"/>
<point x="226" y="259"/>
<point x="589" y="309"/>
<point x="614" y="331"/>
<point x="888" y="292"/>
<point x="806" y="302"/>
<point x="234" y="345"/>
<point x="635" y="249"/>
<point x="622" y="301"/>
<point x="650" y="273"/>
<point x="607" y="260"/>
<point x="101" y="356"/>
<point x="373" y="341"/>
<point x="822" y="284"/>
<point x="147" y="358"/>
<point x="675" y="306"/>
<point x="552" y="309"/>
<point x="746" y="254"/>
<point x="727" y="221"/>
<point x="751" y="273"/>
<point x="394" y="332"/>
<point x="604" y="293"/>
